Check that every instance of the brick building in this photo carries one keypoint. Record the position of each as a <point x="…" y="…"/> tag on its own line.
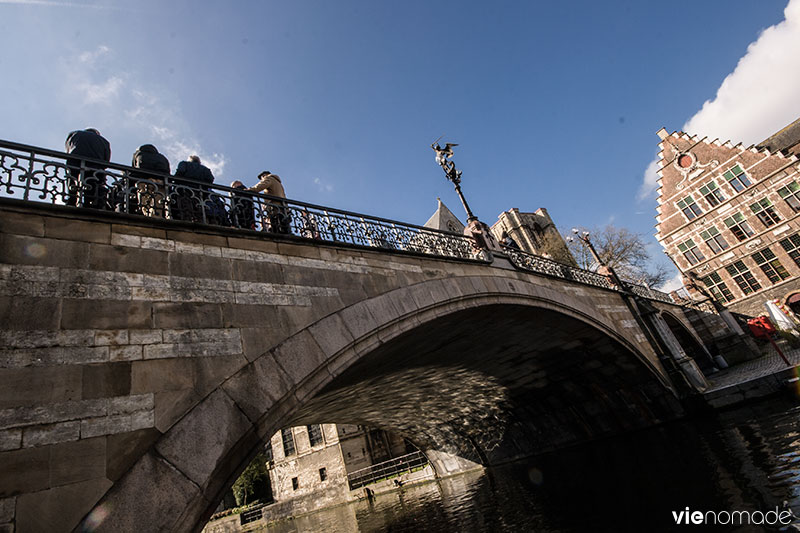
<point x="316" y="459"/>
<point x="731" y="215"/>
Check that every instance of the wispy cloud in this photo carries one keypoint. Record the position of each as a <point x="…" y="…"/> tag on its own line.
<point x="323" y="187"/>
<point x="672" y="284"/>
<point x="149" y="113"/>
<point x="757" y="99"/>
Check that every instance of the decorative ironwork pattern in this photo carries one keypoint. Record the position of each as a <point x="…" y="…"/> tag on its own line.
<point x="646" y="292"/>
<point x="548" y="267"/>
<point x="386" y="469"/>
<point x="40" y="175"/>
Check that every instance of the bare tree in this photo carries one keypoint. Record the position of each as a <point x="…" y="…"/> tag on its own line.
<point x="622" y="250"/>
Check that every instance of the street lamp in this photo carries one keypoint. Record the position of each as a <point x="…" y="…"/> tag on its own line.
<point x="584" y="237"/>
<point x="451" y="173"/>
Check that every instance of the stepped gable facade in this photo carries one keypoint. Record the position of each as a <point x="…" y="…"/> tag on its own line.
<point x="731" y="215"/>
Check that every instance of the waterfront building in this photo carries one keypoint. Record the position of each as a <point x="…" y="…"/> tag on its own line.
<point x="317" y="459"/>
<point x="730" y="215"/>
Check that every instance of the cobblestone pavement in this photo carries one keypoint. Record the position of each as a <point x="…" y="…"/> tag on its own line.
<point x="769" y="363"/>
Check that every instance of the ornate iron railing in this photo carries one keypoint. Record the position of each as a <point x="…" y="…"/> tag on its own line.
<point x="41" y="175"/>
<point x="647" y="292"/>
<point x="386" y="469"/>
<point x="548" y="267"/>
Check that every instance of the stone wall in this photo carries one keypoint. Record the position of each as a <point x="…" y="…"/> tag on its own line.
<point x="144" y="361"/>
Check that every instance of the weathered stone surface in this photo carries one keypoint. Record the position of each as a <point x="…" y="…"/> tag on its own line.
<point x="10" y="439"/>
<point x="199" y="266"/>
<point x="197" y="443"/>
<point x="187" y="315"/>
<point x="21" y="224"/>
<point x="29" y="313"/>
<point x="124" y="449"/>
<point x="108" y="314"/>
<point x="60" y="508"/>
<point x="39" y="385"/>
<point x="299" y="356"/>
<point x="160" y="489"/>
<point x="27" y="250"/>
<point x="161" y="375"/>
<point x="144" y="231"/>
<point x="124" y="259"/>
<point x="101" y="381"/>
<point x="51" y="434"/>
<point x="359" y="320"/>
<point x="257" y="386"/>
<point x="77" y="461"/>
<point x="71" y="229"/>
<point x="331" y="335"/>
<point x="7" y="506"/>
<point x="24" y="470"/>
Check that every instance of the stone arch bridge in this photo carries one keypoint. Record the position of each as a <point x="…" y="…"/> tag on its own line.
<point x="143" y="362"/>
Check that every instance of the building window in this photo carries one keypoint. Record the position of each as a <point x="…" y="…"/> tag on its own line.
<point x="314" y="434"/>
<point x="691" y="252"/>
<point x="288" y="442"/>
<point x="268" y="451"/>
<point x="323" y="474"/>
<point x="739" y="226"/>
<point x="791" y="193"/>
<point x="737" y="178"/>
<point x="295" y="483"/>
<point x="792" y="246"/>
<point x="743" y="278"/>
<point x="714" y="239"/>
<point x="690" y="209"/>
<point x="712" y="193"/>
<point x="765" y="212"/>
<point x="717" y="287"/>
<point x="770" y="265"/>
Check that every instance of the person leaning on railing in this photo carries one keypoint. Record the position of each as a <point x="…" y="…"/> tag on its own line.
<point x="90" y="189"/>
<point x="186" y="198"/>
<point x="150" y="186"/>
<point x="279" y="217"/>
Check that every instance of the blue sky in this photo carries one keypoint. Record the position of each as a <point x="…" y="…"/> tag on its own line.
<point x="553" y="104"/>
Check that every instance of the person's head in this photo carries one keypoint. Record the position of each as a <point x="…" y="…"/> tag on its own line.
<point x="93" y="130"/>
<point x="194" y="159"/>
<point x="264" y="174"/>
<point x="237" y="184"/>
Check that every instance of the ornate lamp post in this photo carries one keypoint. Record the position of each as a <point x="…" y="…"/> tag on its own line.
<point x="453" y="175"/>
<point x="604" y="269"/>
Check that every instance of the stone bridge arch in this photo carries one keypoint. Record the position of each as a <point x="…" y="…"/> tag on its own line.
<point x="345" y="365"/>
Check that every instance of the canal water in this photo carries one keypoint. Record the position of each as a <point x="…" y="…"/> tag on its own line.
<point x="746" y="459"/>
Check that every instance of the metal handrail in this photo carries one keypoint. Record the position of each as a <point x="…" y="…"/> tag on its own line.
<point x="47" y="176"/>
<point x="392" y="467"/>
<point x="548" y="267"/>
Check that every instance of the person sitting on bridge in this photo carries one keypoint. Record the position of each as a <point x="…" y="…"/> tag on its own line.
<point x="279" y="217"/>
<point x="187" y="196"/>
<point x="86" y="181"/>
<point x="151" y="188"/>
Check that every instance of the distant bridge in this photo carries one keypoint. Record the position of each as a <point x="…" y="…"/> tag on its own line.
<point x="144" y="361"/>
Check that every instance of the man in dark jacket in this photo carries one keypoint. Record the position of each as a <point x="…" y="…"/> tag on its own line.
<point x="150" y="185"/>
<point x="186" y="201"/>
<point x="86" y="180"/>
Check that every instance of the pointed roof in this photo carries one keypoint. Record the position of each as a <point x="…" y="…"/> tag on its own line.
<point x="787" y="139"/>
<point x="444" y="219"/>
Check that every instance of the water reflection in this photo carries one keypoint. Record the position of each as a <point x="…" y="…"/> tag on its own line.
<point x="747" y="459"/>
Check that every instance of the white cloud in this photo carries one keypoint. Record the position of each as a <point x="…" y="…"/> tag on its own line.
<point x="672" y="284"/>
<point x="323" y="187"/>
<point x="757" y="99"/>
<point x="148" y="113"/>
<point x="105" y="92"/>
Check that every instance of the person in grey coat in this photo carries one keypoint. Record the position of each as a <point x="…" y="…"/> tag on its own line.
<point x="86" y="181"/>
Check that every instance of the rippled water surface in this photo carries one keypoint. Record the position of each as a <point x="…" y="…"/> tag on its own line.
<point x="746" y="459"/>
